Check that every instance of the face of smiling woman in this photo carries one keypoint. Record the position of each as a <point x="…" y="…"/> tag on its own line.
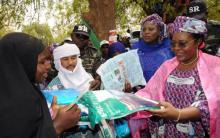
<point x="185" y="47"/>
<point x="43" y="65"/>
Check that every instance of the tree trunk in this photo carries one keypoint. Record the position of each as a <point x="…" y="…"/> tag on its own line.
<point x="101" y="17"/>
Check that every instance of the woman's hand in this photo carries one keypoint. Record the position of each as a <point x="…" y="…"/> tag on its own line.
<point x="127" y="87"/>
<point x="64" y="119"/>
<point x="168" y="111"/>
<point x="54" y="107"/>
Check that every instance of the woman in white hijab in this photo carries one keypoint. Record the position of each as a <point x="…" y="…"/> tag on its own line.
<point x="71" y="73"/>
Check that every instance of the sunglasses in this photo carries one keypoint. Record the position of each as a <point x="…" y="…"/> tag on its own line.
<point x="82" y="37"/>
<point x="181" y="43"/>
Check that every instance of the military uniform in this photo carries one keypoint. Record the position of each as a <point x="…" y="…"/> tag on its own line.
<point x="198" y="9"/>
<point x="213" y="37"/>
<point x="91" y="59"/>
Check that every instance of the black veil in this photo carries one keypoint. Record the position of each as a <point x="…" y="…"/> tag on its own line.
<point x="23" y="109"/>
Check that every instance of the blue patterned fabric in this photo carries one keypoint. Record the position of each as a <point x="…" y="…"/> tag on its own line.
<point x="153" y="55"/>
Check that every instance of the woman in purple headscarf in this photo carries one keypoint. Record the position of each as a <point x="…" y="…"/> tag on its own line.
<point x="154" y="46"/>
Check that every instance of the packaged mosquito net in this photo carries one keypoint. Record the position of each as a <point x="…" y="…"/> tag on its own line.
<point x="111" y="104"/>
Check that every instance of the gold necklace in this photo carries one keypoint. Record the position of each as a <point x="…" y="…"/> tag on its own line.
<point x="191" y="62"/>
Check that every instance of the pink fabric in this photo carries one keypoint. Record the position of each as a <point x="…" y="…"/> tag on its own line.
<point x="209" y="72"/>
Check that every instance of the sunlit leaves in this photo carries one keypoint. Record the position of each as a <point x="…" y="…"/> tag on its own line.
<point x="66" y="13"/>
<point x="41" y="31"/>
<point x="214" y="9"/>
<point x="12" y="11"/>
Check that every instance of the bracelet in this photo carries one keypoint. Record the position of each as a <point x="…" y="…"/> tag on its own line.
<point x="178" y="118"/>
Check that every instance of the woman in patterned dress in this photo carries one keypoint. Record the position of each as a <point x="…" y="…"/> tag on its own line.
<point x="186" y="87"/>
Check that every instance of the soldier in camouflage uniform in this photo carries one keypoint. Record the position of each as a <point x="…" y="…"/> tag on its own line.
<point x="197" y="9"/>
<point x="213" y="37"/>
<point x="91" y="58"/>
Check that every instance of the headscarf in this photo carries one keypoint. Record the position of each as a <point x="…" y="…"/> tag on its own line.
<point x="178" y="23"/>
<point x="156" y="19"/>
<point x="194" y="26"/>
<point x="24" y="111"/>
<point x="77" y="79"/>
<point x="116" y="47"/>
<point x="190" y="25"/>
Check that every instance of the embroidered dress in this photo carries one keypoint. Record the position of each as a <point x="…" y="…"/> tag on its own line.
<point x="208" y="70"/>
<point x="183" y="89"/>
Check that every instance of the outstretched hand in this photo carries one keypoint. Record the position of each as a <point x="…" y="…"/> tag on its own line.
<point x="168" y="111"/>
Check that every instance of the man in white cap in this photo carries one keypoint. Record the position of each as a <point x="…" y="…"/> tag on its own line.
<point x="71" y="73"/>
<point x="104" y="45"/>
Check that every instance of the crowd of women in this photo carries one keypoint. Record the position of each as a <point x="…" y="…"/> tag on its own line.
<point x="178" y="74"/>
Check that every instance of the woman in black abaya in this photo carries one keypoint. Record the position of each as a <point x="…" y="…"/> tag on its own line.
<point x="24" y="61"/>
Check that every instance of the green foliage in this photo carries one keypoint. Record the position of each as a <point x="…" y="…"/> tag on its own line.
<point x="66" y="13"/>
<point x="4" y="31"/>
<point x="12" y="11"/>
<point x="128" y="14"/>
<point x="213" y="9"/>
<point x="79" y="7"/>
<point x="41" y="31"/>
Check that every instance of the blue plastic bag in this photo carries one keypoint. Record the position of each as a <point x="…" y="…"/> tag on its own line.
<point x="64" y="97"/>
